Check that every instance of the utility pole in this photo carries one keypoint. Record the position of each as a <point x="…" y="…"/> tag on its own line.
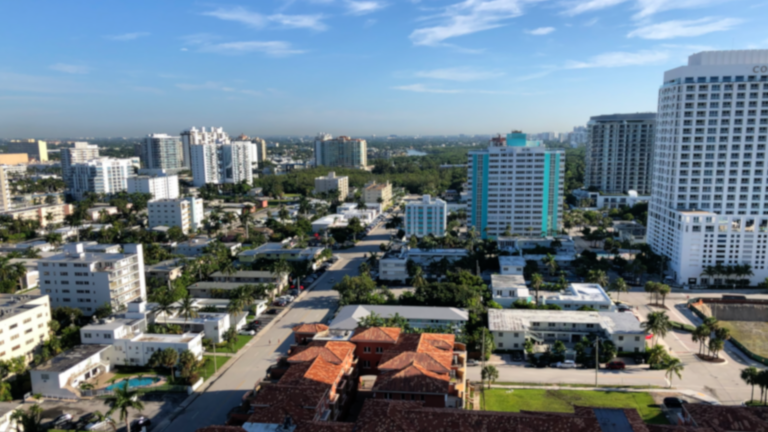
<point x="482" y="365"/>
<point x="597" y="358"/>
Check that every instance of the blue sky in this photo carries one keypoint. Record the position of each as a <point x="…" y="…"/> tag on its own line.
<point x="357" y="67"/>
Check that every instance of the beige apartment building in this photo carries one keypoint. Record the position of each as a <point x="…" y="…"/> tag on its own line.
<point x="40" y="213"/>
<point x="23" y="325"/>
<point x="373" y="191"/>
<point x="13" y="158"/>
<point x="330" y="183"/>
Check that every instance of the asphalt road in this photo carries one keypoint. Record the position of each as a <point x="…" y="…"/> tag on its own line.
<point x="318" y="305"/>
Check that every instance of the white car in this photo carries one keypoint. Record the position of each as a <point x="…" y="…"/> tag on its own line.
<point x="245" y="333"/>
<point x="568" y="364"/>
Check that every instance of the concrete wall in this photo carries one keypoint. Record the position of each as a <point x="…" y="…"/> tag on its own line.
<point x="736" y="312"/>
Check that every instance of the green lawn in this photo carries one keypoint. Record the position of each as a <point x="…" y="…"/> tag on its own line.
<point x="241" y="341"/>
<point x="752" y="334"/>
<point x="514" y="400"/>
<point x="209" y="366"/>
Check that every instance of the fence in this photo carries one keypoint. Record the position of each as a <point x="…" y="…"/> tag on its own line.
<point x="745" y="350"/>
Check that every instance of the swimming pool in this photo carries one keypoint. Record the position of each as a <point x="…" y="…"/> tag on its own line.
<point x="134" y="382"/>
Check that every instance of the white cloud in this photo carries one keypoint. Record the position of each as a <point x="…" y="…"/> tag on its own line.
<point x="467" y="17"/>
<point x="70" y="68"/>
<point x="421" y="88"/>
<point x="620" y="59"/>
<point x="541" y="31"/>
<point x="459" y="74"/>
<point x="675" y="29"/>
<point x="272" y="48"/>
<point x="591" y="5"/>
<point x="127" y="36"/>
<point x="257" y="20"/>
<point x="364" y="7"/>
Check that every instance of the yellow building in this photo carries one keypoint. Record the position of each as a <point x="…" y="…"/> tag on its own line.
<point x="40" y="214"/>
<point x="13" y="158"/>
<point x="374" y="191"/>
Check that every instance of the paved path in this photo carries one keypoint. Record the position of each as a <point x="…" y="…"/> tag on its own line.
<point x="227" y="390"/>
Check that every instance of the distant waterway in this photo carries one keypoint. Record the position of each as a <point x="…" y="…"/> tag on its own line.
<point x="415" y="153"/>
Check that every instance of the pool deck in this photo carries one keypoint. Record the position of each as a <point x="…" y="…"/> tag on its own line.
<point x="105" y="380"/>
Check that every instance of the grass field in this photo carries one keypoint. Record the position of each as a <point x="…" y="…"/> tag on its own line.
<point x="241" y="341"/>
<point x="209" y="366"/>
<point x="751" y="334"/>
<point x="564" y="400"/>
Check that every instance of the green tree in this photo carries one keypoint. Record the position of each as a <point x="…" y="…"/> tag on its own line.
<point x="187" y="308"/>
<point x="28" y="421"/>
<point x="230" y="337"/>
<point x="536" y="282"/>
<point x="619" y="286"/>
<point x="673" y="367"/>
<point x="551" y="263"/>
<point x="656" y="355"/>
<point x="123" y="400"/>
<point x="657" y="323"/>
<point x="597" y="277"/>
<point x="750" y="377"/>
<point x="490" y="374"/>
<point x="663" y="291"/>
<point x="715" y="346"/>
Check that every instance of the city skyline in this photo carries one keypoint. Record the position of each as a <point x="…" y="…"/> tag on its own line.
<point x="348" y="67"/>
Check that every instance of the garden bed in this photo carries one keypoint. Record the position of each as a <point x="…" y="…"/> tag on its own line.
<point x="709" y="358"/>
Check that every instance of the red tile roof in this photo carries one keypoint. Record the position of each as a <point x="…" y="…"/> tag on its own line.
<point x="413" y="379"/>
<point x="316" y="372"/>
<point x="437" y="346"/>
<point x="274" y="401"/>
<point x="376" y="334"/>
<point x="730" y="418"/>
<point x="331" y="351"/>
<point x="403" y="360"/>
<point x="310" y="328"/>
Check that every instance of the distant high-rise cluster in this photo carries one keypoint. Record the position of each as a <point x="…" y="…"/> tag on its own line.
<point x="194" y="136"/>
<point x="162" y="151"/>
<point x="341" y="151"/>
<point x="222" y="163"/>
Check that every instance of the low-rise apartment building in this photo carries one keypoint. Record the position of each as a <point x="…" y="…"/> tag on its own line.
<point x="31" y="278"/>
<point x="277" y="251"/>
<point x="44" y="214"/>
<point x="630" y="231"/>
<point x="245" y="277"/>
<point x="506" y="289"/>
<point x="60" y="376"/>
<point x="87" y="280"/>
<point x="165" y="270"/>
<point x="196" y="247"/>
<point x="512" y="327"/>
<point x="373" y="192"/>
<point x="420" y="317"/>
<point x="393" y="265"/>
<point x="23" y="325"/>
<point x="185" y="213"/>
<point x="426" y="217"/>
<point x="331" y="183"/>
<point x="159" y="186"/>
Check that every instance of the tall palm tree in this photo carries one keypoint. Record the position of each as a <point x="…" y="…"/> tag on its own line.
<point x="673" y="367"/>
<point x="658" y="324"/>
<point x="280" y="268"/>
<point x="165" y="306"/>
<point x="551" y="263"/>
<point x="620" y="286"/>
<point x="663" y="291"/>
<point x="597" y="277"/>
<point x="651" y="288"/>
<point x="418" y="278"/>
<point x="749" y="376"/>
<point x="700" y="334"/>
<point x="187" y="308"/>
<point x="121" y="401"/>
<point x="536" y="282"/>
<point x="715" y="346"/>
<point x="28" y="421"/>
<point x="245" y="218"/>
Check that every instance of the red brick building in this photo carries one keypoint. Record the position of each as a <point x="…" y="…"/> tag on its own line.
<point x="303" y="334"/>
<point x="371" y="344"/>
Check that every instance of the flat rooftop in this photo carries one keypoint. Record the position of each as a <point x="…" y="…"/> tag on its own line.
<point x="71" y="358"/>
<point x="166" y="265"/>
<point x="202" y="318"/>
<point x="246" y="274"/>
<point x="215" y="285"/>
<point x="520" y="319"/>
<point x="166" y="338"/>
<point x="582" y="292"/>
<point x="499" y="281"/>
<point x="350" y="315"/>
<point x="512" y="261"/>
<point x="112" y="324"/>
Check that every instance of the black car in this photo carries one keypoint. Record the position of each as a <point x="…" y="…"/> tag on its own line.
<point x="85" y="419"/>
<point x="140" y="422"/>
<point x="271" y="312"/>
<point x="673" y="402"/>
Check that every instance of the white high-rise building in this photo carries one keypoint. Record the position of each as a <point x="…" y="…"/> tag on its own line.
<point x="162" y="151"/>
<point x="185" y="213"/>
<point x="87" y="280"/>
<point x="81" y="152"/>
<point x="160" y="186"/>
<point x="517" y="184"/>
<point x="709" y="199"/>
<point x="425" y="217"/>
<point x="221" y="163"/>
<point x="194" y="136"/>
<point x="5" y="190"/>
<point x="102" y="176"/>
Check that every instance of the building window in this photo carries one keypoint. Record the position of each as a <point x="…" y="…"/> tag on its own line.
<point x="379" y="350"/>
<point x="366" y="349"/>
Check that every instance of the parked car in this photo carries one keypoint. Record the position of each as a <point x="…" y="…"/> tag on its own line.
<point x="65" y="417"/>
<point x="567" y="364"/>
<point x="95" y="424"/>
<point x="140" y="422"/>
<point x="85" y="419"/>
<point x="271" y="312"/>
<point x="673" y="402"/>
<point x="616" y="365"/>
<point x="247" y="332"/>
<point x="472" y="362"/>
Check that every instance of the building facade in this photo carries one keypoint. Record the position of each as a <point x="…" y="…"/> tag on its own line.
<point x="13" y="158"/>
<point x="185" y="213"/>
<point x="35" y="149"/>
<point x="24" y="321"/>
<point x="221" y="163"/>
<point x="101" y="176"/>
<point x="709" y="200"/>
<point x="80" y="153"/>
<point x="161" y="187"/>
<point x="331" y="183"/>
<point x="5" y="190"/>
<point x="341" y="151"/>
<point x="162" y="151"/>
<point x="373" y="192"/>
<point x="516" y="184"/>
<point x="425" y="217"/>
<point x="87" y="280"/>
<point x="619" y="152"/>
<point x="194" y="136"/>
<point x="44" y="215"/>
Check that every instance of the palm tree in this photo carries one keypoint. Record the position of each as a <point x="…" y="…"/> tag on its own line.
<point x="28" y="421"/>
<point x="549" y="261"/>
<point x="418" y="278"/>
<point x="490" y="374"/>
<point x="656" y="354"/>
<point x="597" y="277"/>
<point x="536" y="282"/>
<point x="122" y="400"/>
<point x="187" y="308"/>
<point x="164" y="305"/>
<point x="620" y="286"/>
<point x="715" y="346"/>
<point x="658" y="324"/>
<point x="673" y="367"/>
<point x="663" y="291"/>
<point x="280" y="268"/>
<point x="749" y="376"/>
<point x="700" y="334"/>
<point x="651" y="288"/>
<point x="245" y="218"/>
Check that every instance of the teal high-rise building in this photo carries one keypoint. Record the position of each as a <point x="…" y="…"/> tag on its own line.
<point x="516" y="186"/>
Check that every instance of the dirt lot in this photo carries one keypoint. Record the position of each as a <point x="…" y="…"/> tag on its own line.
<point x="752" y="334"/>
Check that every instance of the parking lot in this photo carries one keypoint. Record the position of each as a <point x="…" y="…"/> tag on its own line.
<point x="157" y="406"/>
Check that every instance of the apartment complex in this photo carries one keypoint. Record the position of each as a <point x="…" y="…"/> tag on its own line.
<point x="87" y="280"/>
<point x="161" y="187"/>
<point x="101" y="176"/>
<point x="332" y="183"/>
<point x="44" y="215"/>
<point x="619" y="152"/>
<point x="185" y="213"/>
<point x="709" y="201"/>
<point x="420" y="317"/>
<point x="23" y="325"/>
<point x="516" y="184"/>
<point x="5" y="189"/>
<point x="425" y="217"/>
<point x="162" y="151"/>
<point x="221" y="163"/>
<point x="35" y="149"/>
<point x="341" y="151"/>
<point x="194" y="136"/>
<point x="394" y="264"/>
<point x="80" y="153"/>
<point x="378" y="193"/>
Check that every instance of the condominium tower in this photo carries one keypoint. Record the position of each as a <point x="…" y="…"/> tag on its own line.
<point x="81" y="152"/>
<point x="196" y="136"/>
<point x="341" y="151"/>
<point x="619" y="150"/>
<point x="35" y="149"/>
<point x="709" y="200"/>
<point x="159" y="186"/>
<point x="101" y="176"/>
<point x="516" y="184"/>
<point x="162" y="151"/>
<point x="221" y="163"/>
<point x="5" y="190"/>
